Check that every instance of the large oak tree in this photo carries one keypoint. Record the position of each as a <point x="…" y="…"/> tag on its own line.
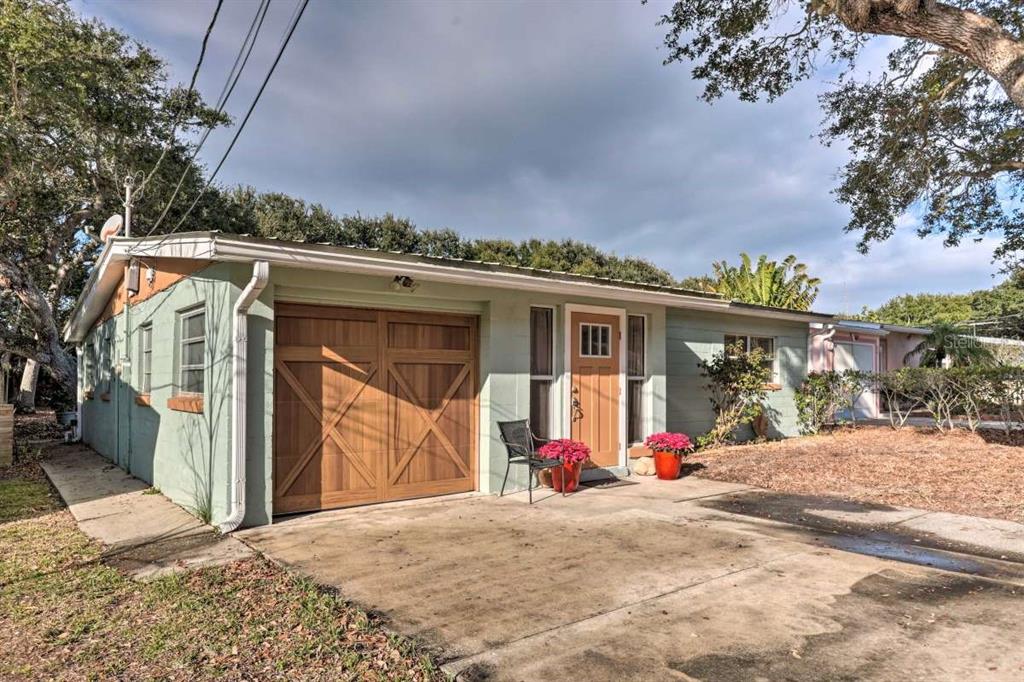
<point x="939" y="133"/>
<point x="82" y="106"/>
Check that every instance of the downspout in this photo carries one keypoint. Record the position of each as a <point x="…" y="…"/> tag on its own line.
<point x="79" y="390"/>
<point x="239" y="344"/>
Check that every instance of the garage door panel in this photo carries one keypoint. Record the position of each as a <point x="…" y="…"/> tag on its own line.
<point x="429" y="336"/>
<point x="373" y="406"/>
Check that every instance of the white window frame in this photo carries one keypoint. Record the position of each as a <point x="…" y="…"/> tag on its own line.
<point x="107" y="350"/>
<point x="748" y="346"/>
<point x="182" y="340"/>
<point x="644" y="400"/>
<point x="553" y="427"/>
<point x="146" y="358"/>
<point x="600" y="326"/>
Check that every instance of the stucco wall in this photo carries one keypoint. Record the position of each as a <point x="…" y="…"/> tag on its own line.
<point x="897" y="347"/>
<point x="694" y="336"/>
<point x="187" y="455"/>
<point x="504" y="377"/>
<point x="181" y="453"/>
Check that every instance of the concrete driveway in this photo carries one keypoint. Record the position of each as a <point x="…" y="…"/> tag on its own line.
<point x="688" y="579"/>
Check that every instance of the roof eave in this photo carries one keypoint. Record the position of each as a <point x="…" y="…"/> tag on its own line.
<point x="234" y="248"/>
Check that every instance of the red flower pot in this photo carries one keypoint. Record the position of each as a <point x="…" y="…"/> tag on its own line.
<point x="572" y="477"/>
<point x="667" y="465"/>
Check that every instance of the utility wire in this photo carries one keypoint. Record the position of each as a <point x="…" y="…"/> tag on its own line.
<point x="188" y="96"/>
<point x="255" y="25"/>
<point x="241" y="127"/>
<point x="225" y="95"/>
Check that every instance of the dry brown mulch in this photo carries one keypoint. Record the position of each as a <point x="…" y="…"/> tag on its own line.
<point x="980" y="474"/>
<point x="40" y="425"/>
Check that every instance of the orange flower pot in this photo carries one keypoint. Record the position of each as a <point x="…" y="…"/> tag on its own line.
<point x="667" y="465"/>
<point x="572" y="477"/>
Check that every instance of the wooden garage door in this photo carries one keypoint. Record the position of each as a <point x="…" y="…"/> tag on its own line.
<point x="371" y="405"/>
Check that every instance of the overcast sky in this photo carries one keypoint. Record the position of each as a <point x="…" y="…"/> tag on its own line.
<point x="531" y="119"/>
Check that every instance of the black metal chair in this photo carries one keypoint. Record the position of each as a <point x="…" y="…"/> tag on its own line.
<point x="521" y="446"/>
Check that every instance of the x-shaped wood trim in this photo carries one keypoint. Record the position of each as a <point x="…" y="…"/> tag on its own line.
<point x="430" y="419"/>
<point x="328" y="429"/>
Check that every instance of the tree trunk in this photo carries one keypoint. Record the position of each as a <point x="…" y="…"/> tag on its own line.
<point x="980" y="40"/>
<point x="51" y="352"/>
<point x="26" y="400"/>
<point x="5" y="377"/>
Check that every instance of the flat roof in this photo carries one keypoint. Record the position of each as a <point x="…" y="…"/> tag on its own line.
<point x="221" y="247"/>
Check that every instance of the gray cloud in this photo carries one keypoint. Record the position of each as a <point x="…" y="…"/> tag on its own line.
<point x="537" y="119"/>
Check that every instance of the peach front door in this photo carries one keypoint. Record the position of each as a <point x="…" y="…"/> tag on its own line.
<point x="595" y="388"/>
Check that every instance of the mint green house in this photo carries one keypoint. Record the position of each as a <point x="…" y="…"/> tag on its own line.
<point x="247" y="378"/>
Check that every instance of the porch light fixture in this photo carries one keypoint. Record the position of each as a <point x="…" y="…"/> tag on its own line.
<point x="404" y="283"/>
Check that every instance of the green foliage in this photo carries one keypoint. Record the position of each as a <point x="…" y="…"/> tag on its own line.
<point x="900" y="393"/>
<point x="82" y="107"/>
<point x="279" y="216"/>
<point x="999" y="310"/>
<point x="736" y="383"/>
<point x="822" y="395"/>
<point x="769" y="283"/>
<point x="922" y="310"/>
<point x="949" y="396"/>
<point x="947" y="341"/>
<point x="702" y="283"/>
<point x="937" y="132"/>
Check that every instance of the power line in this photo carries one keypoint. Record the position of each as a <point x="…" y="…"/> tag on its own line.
<point x="225" y="95"/>
<point x="245" y="120"/>
<point x="188" y="96"/>
<point x="256" y="24"/>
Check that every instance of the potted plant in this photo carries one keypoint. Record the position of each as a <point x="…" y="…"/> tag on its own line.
<point x="669" y="449"/>
<point x="572" y="453"/>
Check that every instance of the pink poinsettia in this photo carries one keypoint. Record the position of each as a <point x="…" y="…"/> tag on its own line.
<point x="676" y="443"/>
<point x="568" y="450"/>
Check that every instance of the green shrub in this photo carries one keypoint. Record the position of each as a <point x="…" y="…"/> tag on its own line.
<point x="737" y="384"/>
<point x="823" y="394"/>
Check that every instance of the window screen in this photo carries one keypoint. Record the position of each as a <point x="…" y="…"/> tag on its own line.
<point x="636" y="374"/>
<point x="192" y="352"/>
<point x="542" y="331"/>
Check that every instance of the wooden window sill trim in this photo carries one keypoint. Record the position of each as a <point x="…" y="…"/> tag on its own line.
<point x="773" y="387"/>
<point x="186" y="403"/>
<point x="105" y="397"/>
<point x="143" y="399"/>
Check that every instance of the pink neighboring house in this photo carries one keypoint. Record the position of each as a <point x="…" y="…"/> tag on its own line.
<point x="863" y="346"/>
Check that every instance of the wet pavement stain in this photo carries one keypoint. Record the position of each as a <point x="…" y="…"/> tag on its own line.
<point x="883" y="540"/>
<point x="878" y="631"/>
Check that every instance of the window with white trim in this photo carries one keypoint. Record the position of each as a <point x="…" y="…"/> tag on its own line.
<point x="636" y="375"/>
<point x="107" y="364"/>
<point x="146" y="358"/>
<point x="542" y="369"/>
<point x="749" y="343"/>
<point x="191" y="351"/>
<point x="595" y="340"/>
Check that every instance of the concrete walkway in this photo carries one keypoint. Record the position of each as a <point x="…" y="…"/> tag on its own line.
<point x="688" y="579"/>
<point x="143" y="532"/>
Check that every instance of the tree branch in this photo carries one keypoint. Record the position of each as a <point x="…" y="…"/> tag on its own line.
<point x="978" y="38"/>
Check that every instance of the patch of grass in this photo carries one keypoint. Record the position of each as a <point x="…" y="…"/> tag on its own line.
<point x="20" y="499"/>
<point x="65" y="614"/>
<point x="151" y="491"/>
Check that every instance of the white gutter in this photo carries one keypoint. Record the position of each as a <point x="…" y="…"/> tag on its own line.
<point x="79" y="390"/>
<point x="228" y="248"/>
<point x="239" y="343"/>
